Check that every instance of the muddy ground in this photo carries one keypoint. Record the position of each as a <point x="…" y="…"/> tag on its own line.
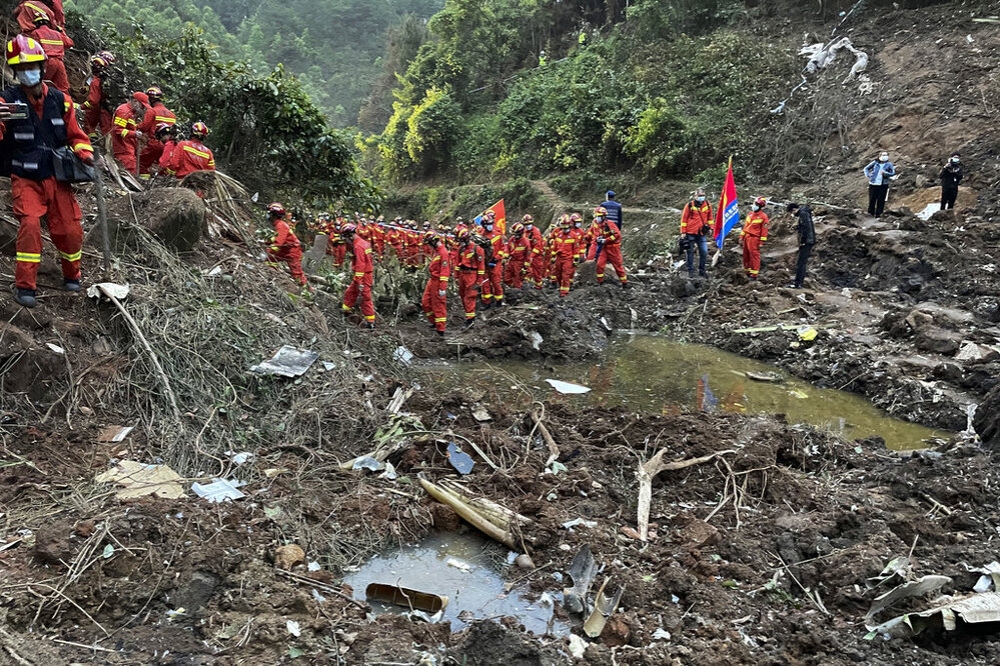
<point x="762" y="555"/>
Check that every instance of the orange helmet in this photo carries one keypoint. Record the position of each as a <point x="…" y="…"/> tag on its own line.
<point x="463" y="235"/>
<point x="575" y="217"/>
<point x="428" y="237"/>
<point x="103" y="59"/>
<point x="527" y="219"/>
<point x="760" y="201"/>
<point x="40" y="17"/>
<point x="348" y="228"/>
<point x="518" y="228"/>
<point x="276" y="208"/>
<point x="162" y="128"/>
<point x="564" y="220"/>
<point x="23" y="50"/>
<point x="153" y="92"/>
<point x="600" y="211"/>
<point x="199" y="129"/>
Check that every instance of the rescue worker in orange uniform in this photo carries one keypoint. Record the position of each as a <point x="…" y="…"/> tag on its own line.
<point x="336" y="247"/>
<point x="26" y="150"/>
<point x="609" y="248"/>
<point x="285" y="247"/>
<point x="435" y="302"/>
<point x="156" y="115"/>
<point x="752" y="235"/>
<point x="519" y="253"/>
<point x="95" y="116"/>
<point x="27" y="11"/>
<point x="378" y="237"/>
<point x="394" y="237"/>
<point x="696" y="223"/>
<point x="191" y="154"/>
<point x="471" y="273"/>
<point x="539" y="256"/>
<point x="165" y="134"/>
<point x="493" y="286"/>
<point x="566" y="248"/>
<point x="125" y="131"/>
<point x="55" y="42"/>
<point x="591" y="235"/>
<point x="363" y="275"/>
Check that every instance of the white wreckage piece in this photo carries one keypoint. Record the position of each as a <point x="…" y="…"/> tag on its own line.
<point x="822" y="56"/>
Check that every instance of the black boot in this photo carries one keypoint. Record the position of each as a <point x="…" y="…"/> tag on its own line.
<point x="26" y="297"/>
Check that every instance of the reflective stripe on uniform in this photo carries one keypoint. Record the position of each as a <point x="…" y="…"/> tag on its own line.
<point x="29" y="257"/>
<point x="166" y="119"/>
<point x="75" y="256"/>
<point x="195" y="151"/>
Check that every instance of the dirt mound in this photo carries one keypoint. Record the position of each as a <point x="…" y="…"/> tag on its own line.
<point x="987" y="420"/>
<point x="175" y="215"/>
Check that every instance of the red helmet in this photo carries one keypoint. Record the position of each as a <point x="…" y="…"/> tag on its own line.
<point x="276" y="208"/>
<point x="103" y="59"/>
<point x="23" y="50"/>
<point x="428" y="237"/>
<point x="40" y="17"/>
<point x="760" y="201"/>
<point x="199" y="129"/>
<point x="153" y="92"/>
<point x="575" y="217"/>
<point x="463" y="235"/>
<point x="162" y="128"/>
<point x="527" y="219"/>
<point x="348" y="228"/>
<point x="518" y="228"/>
<point x="564" y="220"/>
<point x="600" y="211"/>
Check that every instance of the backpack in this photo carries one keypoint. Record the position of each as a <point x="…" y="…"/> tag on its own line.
<point x="486" y="245"/>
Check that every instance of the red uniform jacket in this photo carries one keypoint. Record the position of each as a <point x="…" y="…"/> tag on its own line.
<point x="285" y="239"/>
<point x="566" y="243"/>
<point x="155" y="114"/>
<point x="94" y="114"/>
<point x="496" y="240"/>
<point x="471" y="258"/>
<point x="440" y="266"/>
<point x="519" y="248"/>
<point x="361" y="263"/>
<point x="755" y="225"/>
<point x="124" y="139"/>
<point x="26" y="11"/>
<point x="189" y="156"/>
<point x="53" y="42"/>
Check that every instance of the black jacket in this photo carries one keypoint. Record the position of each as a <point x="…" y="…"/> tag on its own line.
<point x="807" y="231"/>
<point x="951" y="176"/>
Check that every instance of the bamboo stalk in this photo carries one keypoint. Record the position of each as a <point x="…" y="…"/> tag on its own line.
<point x="470" y="515"/>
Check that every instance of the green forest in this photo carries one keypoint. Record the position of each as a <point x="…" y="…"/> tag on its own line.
<point x="334" y="46"/>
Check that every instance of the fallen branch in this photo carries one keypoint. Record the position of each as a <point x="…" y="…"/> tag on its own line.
<point x="149" y="348"/>
<point x="647" y="472"/>
<point x="546" y="435"/>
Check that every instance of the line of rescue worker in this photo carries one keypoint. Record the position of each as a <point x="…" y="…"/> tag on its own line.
<point x="479" y="257"/>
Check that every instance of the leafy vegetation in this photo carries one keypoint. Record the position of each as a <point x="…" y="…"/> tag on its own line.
<point x="334" y="46"/>
<point x="265" y="130"/>
<point x="667" y="88"/>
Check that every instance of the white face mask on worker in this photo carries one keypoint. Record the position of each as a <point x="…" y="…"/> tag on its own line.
<point x="884" y="157"/>
<point x="29" y="77"/>
<point x="755" y="207"/>
<point x="700" y="199"/>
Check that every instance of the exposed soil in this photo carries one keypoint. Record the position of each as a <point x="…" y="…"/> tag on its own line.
<point x="762" y="555"/>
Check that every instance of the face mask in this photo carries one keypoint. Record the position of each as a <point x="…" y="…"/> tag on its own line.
<point x="954" y="160"/>
<point x="488" y="226"/>
<point x="755" y="207"/>
<point x="529" y="227"/>
<point x="883" y="158"/>
<point x="29" y="77"/>
<point x="578" y="224"/>
<point x="700" y="199"/>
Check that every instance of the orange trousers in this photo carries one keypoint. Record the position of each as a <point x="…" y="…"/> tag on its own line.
<point x="539" y="263"/>
<point x="55" y="200"/>
<point x="493" y="286"/>
<point x="150" y="155"/>
<point x="612" y="254"/>
<point x="468" y="281"/>
<point x="565" y="270"/>
<point x="514" y="273"/>
<point x="435" y="307"/>
<point x="292" y="257"/>
<point x="124" y="151"/>
<point x="55" y="71"/>
<point x="751" y="255"/>
<point x="352" y="295"/>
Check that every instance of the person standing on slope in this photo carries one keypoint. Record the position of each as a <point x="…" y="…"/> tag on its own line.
<point x="435" y="302"/>
<point x="192" y="154"/>
<point x="27" y="148"/>
<point x="696" y="225"/>
<point x="363" y="275"/>
<point x="614" y="209"/>
<point x="878" y="173"/>
<point x="951" y="177"/>
<point x="807" y="238"/>
<point x="753" y="234"/>
<point x="285" y="247"/>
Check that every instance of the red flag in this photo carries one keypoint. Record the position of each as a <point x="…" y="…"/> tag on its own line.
<point x="728" y="212"/>
<point x="500" y="211"/>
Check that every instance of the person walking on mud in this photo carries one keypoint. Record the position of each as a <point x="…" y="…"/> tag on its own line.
<point x="362" y="275"/>
<point x="434" y="300"/>
<point x="878" y="173"/>
<point x="951" y="176"/>
<point x="285" y="247"/>
<point x="807" y="238"/>
<point x="752" y="236"/>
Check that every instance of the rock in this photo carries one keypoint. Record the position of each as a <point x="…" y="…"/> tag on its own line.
<point x="937" y="340"/>
<point x="288" y="556"/>
<point x="8" y="239"/>
<point x="176" y="216"/>
<point x="84" y="528"/>
<point x="616" y="632"/>
<point x="921" y="181"/>
<point x="949" y="372"/>
<point x="697" y="533"/>
<point x="917" y="319"/>
<point x="194" y="596"/>
<point x="52" y="545"/>
<point x="987" y="420"/>
<point x="524" y="562"/>
<point x="973" y="353"/>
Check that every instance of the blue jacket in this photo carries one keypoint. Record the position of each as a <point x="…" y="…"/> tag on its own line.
<point x="878" y="173"/>
<point x="614" y="213"/>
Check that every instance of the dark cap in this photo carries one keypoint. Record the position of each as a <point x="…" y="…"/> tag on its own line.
<point x="611" y="194"/>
